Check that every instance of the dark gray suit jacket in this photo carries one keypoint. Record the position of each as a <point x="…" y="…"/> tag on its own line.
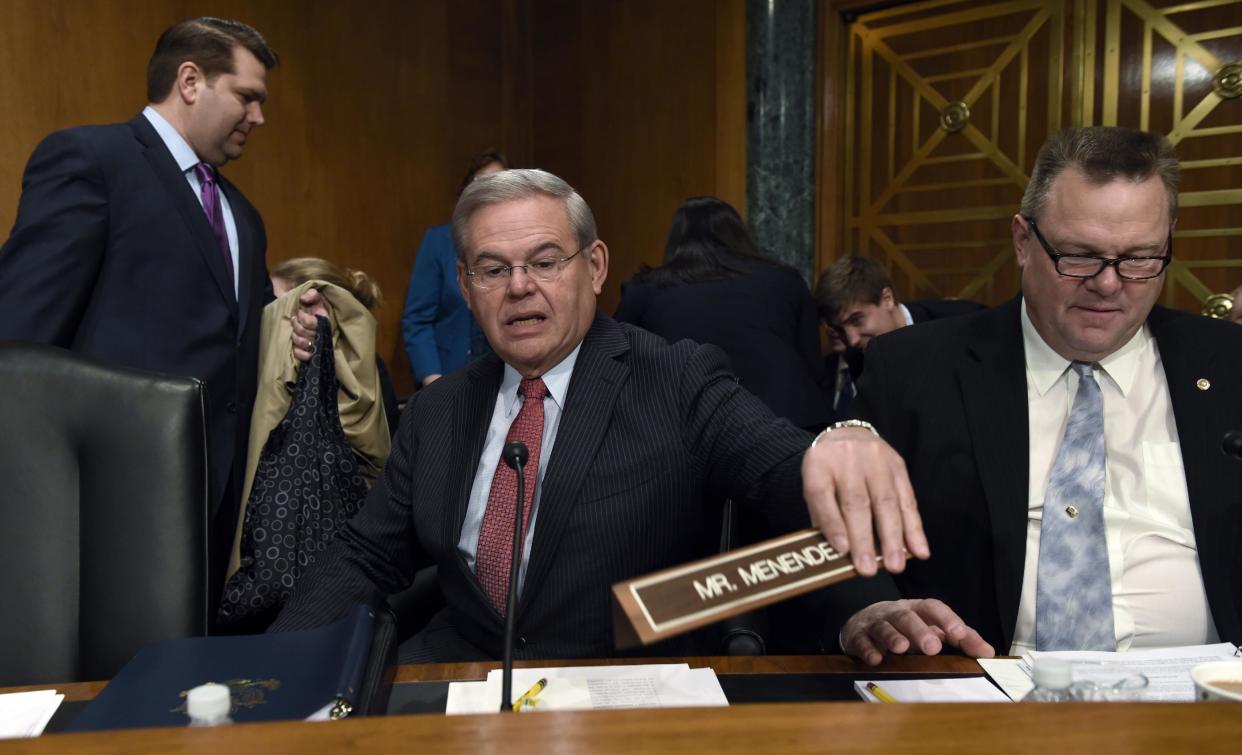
<point x="653" y="438"/>
<point x="950" y="396"/>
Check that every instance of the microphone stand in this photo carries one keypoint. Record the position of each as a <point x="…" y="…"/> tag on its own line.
<point x="515" y="455"/>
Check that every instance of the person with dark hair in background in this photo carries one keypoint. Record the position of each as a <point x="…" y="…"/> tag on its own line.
<point x="131" y="248"/>
<point x="855" y="297"/>
<point x="715" y="286"/>
<point x="440" y="335"/>
<point x="856" y="304"/>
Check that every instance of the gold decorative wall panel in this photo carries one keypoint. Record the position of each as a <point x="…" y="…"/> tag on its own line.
<point x="947" y="101"/>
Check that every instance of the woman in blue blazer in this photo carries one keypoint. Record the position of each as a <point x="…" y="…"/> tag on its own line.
<point x="440" y="334"/>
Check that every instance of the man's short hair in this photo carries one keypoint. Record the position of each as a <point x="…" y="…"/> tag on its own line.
<point x="208" y="43"/>
<point x="850" y="280"/>
<point x="1104" y="154"/>
<point x="510" y="185"/>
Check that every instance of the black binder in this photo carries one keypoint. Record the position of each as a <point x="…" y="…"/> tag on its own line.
<point x="348" y="665"/>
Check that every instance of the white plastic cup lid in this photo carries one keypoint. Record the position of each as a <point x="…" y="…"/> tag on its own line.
<point x="1053" y="673"/>
<point x="208" y="701"/>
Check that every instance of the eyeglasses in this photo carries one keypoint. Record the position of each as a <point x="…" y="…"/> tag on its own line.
<point x="1087" y="266"/>
<point x="494" y="275"/>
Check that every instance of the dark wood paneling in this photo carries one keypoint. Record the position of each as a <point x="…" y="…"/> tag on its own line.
<point x="372" y="115"/>
<point x="640" y="104"/>
<point x="377" y="107"/>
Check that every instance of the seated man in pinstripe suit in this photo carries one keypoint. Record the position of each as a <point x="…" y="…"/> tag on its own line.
<point x="634" y="443"/>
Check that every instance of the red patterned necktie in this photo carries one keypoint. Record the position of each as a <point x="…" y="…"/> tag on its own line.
<point x="494" y="555"/>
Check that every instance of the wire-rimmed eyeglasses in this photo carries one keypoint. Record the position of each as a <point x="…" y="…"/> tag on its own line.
<point x="545" y="269"/>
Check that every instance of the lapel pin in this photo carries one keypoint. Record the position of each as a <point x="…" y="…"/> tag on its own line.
<point x="1203" y="384"/>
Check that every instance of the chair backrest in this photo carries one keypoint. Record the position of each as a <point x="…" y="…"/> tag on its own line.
<point x="103" y="514"/>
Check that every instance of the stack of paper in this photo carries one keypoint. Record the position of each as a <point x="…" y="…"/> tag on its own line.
<point x="972" y="689"/>
<point x="669" y="685"/>
<point x="1167" y="669"/>
<point x="25" y="714"/>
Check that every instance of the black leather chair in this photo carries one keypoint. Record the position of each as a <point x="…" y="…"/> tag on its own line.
<point x="742" y="634"/>
<point x="103" y="540"/>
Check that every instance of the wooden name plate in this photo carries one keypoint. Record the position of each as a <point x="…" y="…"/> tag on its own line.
<point x="669" y="602"/>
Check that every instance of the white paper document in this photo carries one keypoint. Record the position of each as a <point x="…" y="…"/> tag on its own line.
<point x="975" y="689"/>
<point x="1167" y="669"/>
<point x="595" y="688"/>
<point x="1009" y="675"/>
<point x="25" y="714"/>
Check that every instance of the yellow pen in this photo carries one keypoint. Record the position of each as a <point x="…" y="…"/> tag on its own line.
<point x="880" y="694"/>
<point x="528" y="696"/>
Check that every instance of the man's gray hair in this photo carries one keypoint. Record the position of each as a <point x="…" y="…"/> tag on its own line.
<point x="510" y="185"/>
<point x="1103" y="154"/>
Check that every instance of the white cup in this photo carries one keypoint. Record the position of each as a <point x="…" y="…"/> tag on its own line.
<point x="1208" y="677"/>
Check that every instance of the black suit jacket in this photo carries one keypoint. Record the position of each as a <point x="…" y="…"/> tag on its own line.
<point x="764" y="320"/>
<point x="920" y="311"/>
<point x="950" y="396"/>
<point x="926" y="310"/>
<point x="652" y="439"/>
<point x="112" y="257"/>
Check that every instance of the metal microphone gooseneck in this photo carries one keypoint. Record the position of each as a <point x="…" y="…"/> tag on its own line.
<point x="515" y="456"/>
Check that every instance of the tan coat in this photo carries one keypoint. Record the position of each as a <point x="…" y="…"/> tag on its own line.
<point x="358" y="398"/>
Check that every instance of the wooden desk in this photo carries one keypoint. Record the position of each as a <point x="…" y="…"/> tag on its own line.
<point x="796" y="728"/>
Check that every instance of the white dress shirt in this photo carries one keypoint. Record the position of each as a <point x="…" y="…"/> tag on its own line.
<point x="183" y="154"/>
<point x="508" y="403"/>
<point x="1158" y="595"/>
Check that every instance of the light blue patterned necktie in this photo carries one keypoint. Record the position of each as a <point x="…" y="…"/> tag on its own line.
<point x="1074" y="592"/>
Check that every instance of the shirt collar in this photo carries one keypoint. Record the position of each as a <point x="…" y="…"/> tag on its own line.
<point x="181" y="150"/>
<point x="1044" y="366"/>
<point x="556" y="379"/>
<point x="905" y="312"/>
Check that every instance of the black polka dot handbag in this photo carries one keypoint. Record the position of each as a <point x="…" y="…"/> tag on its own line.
<point x="306" y="486"/>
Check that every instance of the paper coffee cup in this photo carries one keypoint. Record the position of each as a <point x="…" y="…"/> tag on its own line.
<point x="1218" y="680"/>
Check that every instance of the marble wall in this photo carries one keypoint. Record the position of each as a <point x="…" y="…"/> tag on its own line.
<point x="780" y="181"/>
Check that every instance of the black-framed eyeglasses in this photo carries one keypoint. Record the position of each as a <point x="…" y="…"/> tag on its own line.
<point x="546" y="269"/>
<point x="1089" y="266"/>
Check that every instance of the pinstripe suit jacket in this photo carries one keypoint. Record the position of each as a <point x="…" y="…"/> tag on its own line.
<point x="653" y="438"/>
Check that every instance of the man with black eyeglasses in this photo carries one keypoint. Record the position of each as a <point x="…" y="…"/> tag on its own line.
<point x="1065" y="446"/>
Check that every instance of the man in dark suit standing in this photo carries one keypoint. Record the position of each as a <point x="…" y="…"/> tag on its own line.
<point x="1065" y="446"/>
<point x="634" y="445"/>
<point x="130" y="247"/>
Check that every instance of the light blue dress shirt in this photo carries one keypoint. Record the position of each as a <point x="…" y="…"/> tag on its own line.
<point x="183" y="154"/>
<point x="508" y="403"/>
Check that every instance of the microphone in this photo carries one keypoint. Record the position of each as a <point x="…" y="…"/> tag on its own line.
<point x="1231" y="444"/>
<point x="515" y="455"/>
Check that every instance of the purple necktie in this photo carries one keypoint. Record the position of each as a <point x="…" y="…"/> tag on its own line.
<point x="215" y="213"/>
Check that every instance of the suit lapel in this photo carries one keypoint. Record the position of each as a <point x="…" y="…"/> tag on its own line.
<point x="245" y="250"/>
<point x="472" y="408"/>
<point x="1201" y="415"/>
<point x="188" y="206"/>
<point x="992" y="378"/>
<point x="597" y="380"/>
